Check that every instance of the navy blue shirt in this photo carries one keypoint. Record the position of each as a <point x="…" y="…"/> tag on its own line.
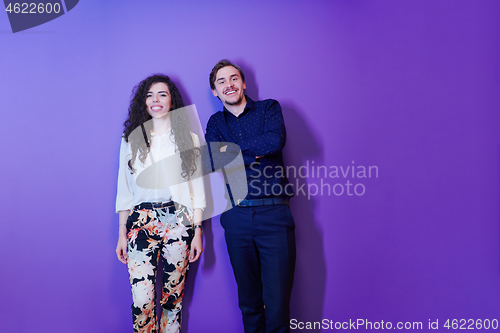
<point x="259" y="131"/>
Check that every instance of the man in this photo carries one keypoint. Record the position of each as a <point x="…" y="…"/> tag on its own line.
<point x="259" y="229"/>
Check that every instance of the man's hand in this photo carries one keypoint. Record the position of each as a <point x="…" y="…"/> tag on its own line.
<point x="224" y="148"/>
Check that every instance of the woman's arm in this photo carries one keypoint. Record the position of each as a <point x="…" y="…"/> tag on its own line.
<point x="124" y="200"/>
<point x="121" y="247"/>
<point x="197" y="242"/>
<point x="198" y="197"/>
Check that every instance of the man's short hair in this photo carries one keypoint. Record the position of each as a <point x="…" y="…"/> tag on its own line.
<point x="221" y="64"/>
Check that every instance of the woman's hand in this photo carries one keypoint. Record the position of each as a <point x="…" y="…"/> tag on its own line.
<point x="196" y="246"/>
<point x="121" y="249"/>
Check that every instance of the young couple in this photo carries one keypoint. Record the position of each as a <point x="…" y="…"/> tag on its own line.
<point x="161" y="197"/>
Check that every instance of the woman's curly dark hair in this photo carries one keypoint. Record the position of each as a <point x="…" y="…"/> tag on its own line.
<point x="138" y="116"/>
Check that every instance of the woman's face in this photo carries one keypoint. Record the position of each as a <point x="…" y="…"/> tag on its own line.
<point x="158" y="100"/>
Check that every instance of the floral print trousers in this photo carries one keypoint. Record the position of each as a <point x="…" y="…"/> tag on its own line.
<point x="154" y="232"/>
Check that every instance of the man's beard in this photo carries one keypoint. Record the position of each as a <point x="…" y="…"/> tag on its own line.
<point x="238" y="101"/>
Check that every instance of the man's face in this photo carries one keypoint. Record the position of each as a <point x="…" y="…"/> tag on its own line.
<point x="229" y="86"/>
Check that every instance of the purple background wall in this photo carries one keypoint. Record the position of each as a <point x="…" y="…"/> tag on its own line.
<point x="411" y="87"/>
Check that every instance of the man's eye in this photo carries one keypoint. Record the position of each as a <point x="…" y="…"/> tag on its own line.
<point x="221" y="82"/>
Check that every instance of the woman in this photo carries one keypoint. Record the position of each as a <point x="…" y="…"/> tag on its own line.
<point x="160" y="201"/>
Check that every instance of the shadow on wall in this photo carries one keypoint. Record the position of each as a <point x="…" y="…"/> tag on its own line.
<point x="208" y="241"/>
<point x="310" y="271"/>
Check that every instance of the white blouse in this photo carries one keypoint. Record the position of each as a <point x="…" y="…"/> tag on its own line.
<point x="159" y="178"/>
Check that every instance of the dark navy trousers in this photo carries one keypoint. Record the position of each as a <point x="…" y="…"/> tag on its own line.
<point x="261" y="245"/>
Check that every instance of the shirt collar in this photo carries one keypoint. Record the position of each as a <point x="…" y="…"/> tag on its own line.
<point x="250" y="103"/>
